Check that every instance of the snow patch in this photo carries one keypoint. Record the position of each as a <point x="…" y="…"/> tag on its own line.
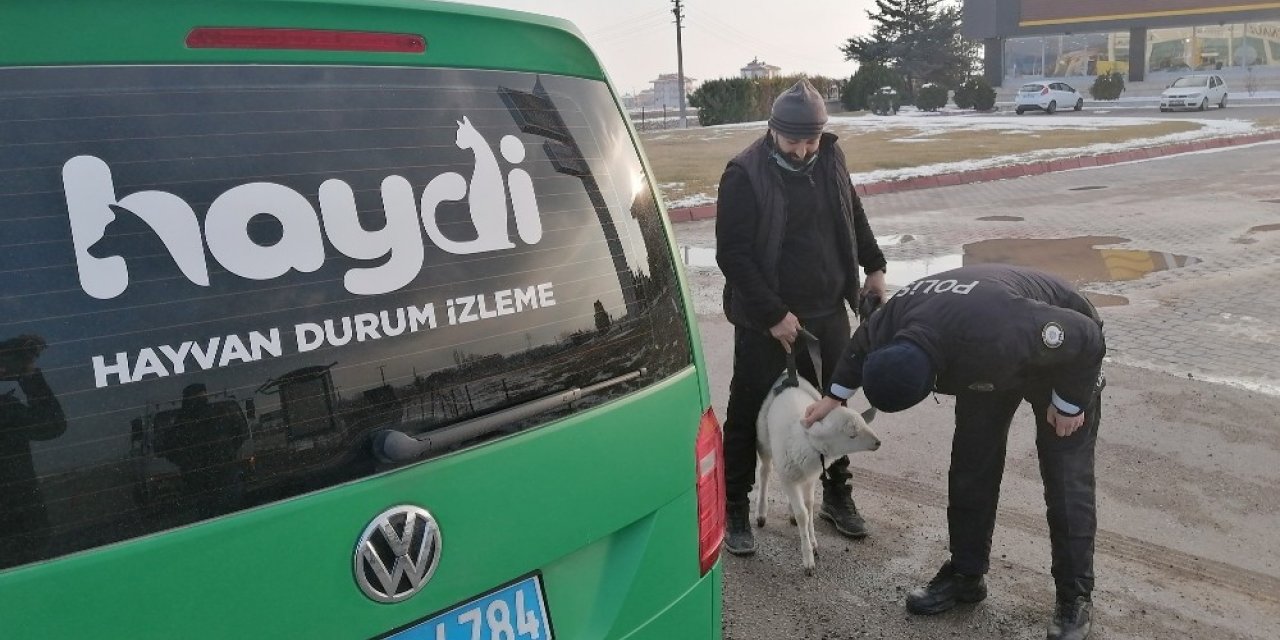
<point x="695" y="200"/>
<point x="1209" y="129"/>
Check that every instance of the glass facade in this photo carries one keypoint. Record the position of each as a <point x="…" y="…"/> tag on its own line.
<point x="1225" y="46"/>
<point x="1214" y="47"/>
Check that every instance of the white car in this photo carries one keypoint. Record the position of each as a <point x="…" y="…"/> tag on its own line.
<point x="1047" y="97"/>
<point x="1195" y="92"/>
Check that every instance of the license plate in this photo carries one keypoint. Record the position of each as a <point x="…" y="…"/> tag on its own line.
<point x="515" y="612"/>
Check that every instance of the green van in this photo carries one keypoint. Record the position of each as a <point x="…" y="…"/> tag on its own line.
<point x="339" y="319"/>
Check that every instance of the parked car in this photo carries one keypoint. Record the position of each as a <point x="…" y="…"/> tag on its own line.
<point x="358" y="319"/>
<point x="1047" y="97"/>
<point x="1195" y="92"/>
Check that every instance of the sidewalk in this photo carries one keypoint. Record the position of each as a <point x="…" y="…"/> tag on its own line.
<point x="708" y="211"/>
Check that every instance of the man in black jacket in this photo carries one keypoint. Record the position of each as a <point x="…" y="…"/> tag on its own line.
<point x="24" y="520"/>
<point x="994" y="336"/>
<point x="790" y="236"/>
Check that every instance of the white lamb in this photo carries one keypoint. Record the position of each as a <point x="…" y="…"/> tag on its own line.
<point x="781" y="436"/>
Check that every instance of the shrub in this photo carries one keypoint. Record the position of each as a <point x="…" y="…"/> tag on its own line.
<point x="724" y="101"/>
<point x="729" y="100"/>
<point x="975" y="93"/>
<point x="885" y="102"/>
<point x="931" y="97"/>
<point x="768" y="90"/>
<point x="857" y="92"/>
<point x="1108" y="86"/>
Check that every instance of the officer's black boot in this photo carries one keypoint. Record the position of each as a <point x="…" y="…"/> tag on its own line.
<point x="946" y="590"/>
<point x="1072" y="619"/>
<point x="839" y="509"/>
<point x="738" y="538"/>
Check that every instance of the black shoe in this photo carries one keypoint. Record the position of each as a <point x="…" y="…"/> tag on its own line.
<point x="738" y="538"/>
<point x="838" y="509"/>
<point x="1072" y="619"/>
<point x="946" y="590"/>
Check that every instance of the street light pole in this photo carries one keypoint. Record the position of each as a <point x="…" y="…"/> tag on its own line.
<point x="679" y="13"/>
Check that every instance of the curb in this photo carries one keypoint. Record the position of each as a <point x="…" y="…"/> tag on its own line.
<point x="706" y="212"/>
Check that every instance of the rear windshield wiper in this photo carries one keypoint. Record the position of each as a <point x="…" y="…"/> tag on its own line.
<point x="398" y="447"/>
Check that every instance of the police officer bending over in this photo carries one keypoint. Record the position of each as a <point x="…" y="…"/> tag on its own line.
<point x="993" y="336"/>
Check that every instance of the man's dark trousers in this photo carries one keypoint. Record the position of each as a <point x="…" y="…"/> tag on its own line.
<point x="1066" y="467"/>
<point x="758" y="360"/>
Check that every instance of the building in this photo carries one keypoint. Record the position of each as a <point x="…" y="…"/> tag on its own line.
<point x="644" y="99"/>
<point x="758" y="69"/>
<point x="1054" y="38"/>
<point x="666" y="91"/>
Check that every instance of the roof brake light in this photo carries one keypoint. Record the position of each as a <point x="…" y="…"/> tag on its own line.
<point x="304" y="39"/>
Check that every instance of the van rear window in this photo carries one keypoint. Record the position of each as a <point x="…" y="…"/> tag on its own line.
<point x="224" y="286"/>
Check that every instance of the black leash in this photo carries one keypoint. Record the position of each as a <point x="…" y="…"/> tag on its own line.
<point x="815" y="356"/>
<point x="867" y="305"/>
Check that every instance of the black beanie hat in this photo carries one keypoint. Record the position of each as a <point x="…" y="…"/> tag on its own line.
<point x="897" y="376"/>
<point x="800" y="112"/>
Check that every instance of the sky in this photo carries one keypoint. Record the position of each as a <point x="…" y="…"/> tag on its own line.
<point x="636" y="40"/>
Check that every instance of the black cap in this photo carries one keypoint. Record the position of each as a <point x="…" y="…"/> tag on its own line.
<point x="800" y="112"/>
<point x="897" y="376"/>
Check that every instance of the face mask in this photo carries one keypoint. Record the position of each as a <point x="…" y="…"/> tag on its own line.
<point x="802" y="169"/>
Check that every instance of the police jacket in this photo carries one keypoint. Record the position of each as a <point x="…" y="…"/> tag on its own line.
<point x="750" y="226"/>
<point x="990" y="328"/>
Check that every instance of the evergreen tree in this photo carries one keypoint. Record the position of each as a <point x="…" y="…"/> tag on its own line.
<point x="724" y="100"/>
<point x="918" y="39"/>
<point x="870" y="77"/>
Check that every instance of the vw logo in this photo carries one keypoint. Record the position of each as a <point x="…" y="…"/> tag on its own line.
<point x="397" y="553"/>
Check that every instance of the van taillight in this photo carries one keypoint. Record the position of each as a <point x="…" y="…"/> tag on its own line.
<point x="710" y="469"/>
<point x="304" y="39"/>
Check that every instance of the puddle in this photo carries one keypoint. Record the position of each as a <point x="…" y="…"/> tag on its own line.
<point x="1080" y="260"/>
<point x="1092" y="187"/>
<point x="1002" y="218"/>
<point x="1265" y="227"/>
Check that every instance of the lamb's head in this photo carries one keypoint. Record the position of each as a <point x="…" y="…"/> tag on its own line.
<point x="843" y="431"/>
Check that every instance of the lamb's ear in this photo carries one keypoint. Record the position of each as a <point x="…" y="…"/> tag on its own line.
<point x="869" y="415"/>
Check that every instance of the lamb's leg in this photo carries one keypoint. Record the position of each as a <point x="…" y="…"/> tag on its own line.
<point x="762" y="491"/>
<point x="808" y="495"/>
<point x="795" y="495"/>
